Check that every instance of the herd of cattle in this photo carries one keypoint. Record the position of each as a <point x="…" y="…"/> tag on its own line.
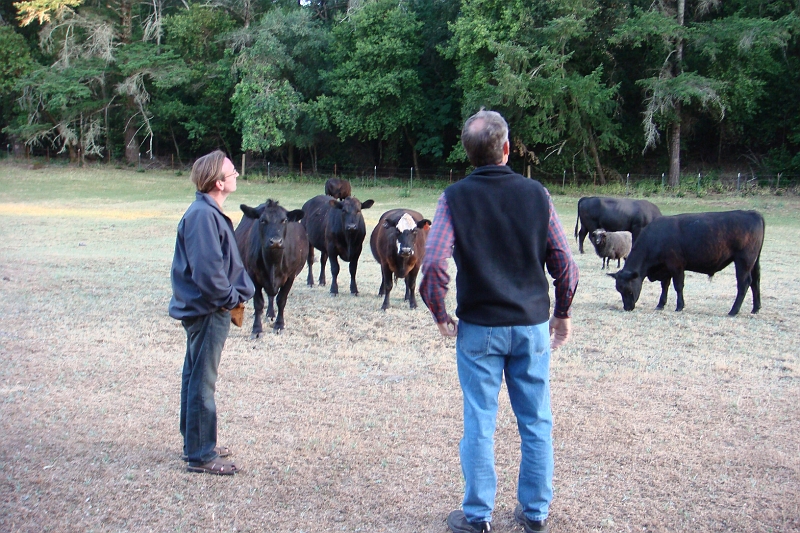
<point x="275" y="245"/>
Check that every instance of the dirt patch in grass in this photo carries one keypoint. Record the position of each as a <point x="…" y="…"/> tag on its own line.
<point x="350" y="420"/>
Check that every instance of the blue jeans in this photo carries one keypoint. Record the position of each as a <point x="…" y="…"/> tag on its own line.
<point x="484" y="355"/>
<point x="205" y="338"/>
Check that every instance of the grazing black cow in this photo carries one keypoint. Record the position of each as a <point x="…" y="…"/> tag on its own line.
<point x="698" y="242"/>
<point x="338" y="188"/>
<point x="335" y="228"/>
<point x="613" y="214"/>
<point x="398" y="245"/>
<point x="273" y="245"/>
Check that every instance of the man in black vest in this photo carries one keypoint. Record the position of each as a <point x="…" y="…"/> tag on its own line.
<point x="502" y="230"/>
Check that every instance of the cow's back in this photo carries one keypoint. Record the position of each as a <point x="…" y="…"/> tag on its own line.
<point x="315" y="219"/>
<point x="244" y="242"/>
<point x="296" y="247"/>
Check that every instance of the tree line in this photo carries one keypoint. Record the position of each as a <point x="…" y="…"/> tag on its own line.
<point x="586" y="85"/>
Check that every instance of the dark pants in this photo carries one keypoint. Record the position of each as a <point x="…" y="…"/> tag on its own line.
<point x="205" y="337"/>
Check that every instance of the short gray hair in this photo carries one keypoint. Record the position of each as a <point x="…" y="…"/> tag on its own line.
<point x="483" y="136"/>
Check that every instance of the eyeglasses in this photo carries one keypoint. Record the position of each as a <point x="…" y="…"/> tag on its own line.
<point x="234" y="175"/>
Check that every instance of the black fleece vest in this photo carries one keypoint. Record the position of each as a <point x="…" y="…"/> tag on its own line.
<point x="501" y="221"/>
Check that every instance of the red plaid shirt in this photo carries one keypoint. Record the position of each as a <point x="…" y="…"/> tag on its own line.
<point x="439" y="247"/>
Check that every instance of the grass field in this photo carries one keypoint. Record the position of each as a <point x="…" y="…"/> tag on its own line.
<point x="350" y="420"/>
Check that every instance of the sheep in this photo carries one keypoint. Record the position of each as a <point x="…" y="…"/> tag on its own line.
<point x="612" y="245"/>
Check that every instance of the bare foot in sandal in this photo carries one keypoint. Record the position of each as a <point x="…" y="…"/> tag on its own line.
<point x="217" y="466"/>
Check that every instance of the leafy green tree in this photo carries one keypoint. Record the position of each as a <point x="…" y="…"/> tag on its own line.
<point x="15" y="62"/>
<point x="278" y="65"/>
<point x="196" y="114"/>
<point x="374" y="91"/>
<point x="518" y="57"/>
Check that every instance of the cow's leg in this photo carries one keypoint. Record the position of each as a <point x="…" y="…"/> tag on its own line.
<point x="618" y="260"/>
<point x="270" y="306"/>
<point x="411" y="285"/>
<point x="258" y="305"/>
<point x="744" y="281"/>
<point x="323" y="259"/>
<point x="353" y="270"/>
<point x="581" y="236"/>
<point x="334" y="273"/>
<point x="387" y="285"/>
<point x="677" y="282"/>
<point x="283" y="295"/>
<point x="755" y="285"/>
<point x="662" y="301"/>
<point x="310" y="262"/>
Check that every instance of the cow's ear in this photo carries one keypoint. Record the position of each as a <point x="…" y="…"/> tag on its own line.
<point x="625" y="276"/>
<point x="367" y="204"/>
<point x="386" y="224"/>
<point x="613" y="274"/>
<point x="296" y="215"/>
<point x="249" y="212"/>
<point x="424" y="223"/>
<point x="336" y="203"/>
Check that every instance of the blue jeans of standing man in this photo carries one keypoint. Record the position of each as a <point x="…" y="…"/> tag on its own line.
<point x="205" y="338"/>
<point x="484" y="355"/>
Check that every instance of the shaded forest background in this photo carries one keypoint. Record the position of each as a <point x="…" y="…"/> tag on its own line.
<point x="599" y="87"/>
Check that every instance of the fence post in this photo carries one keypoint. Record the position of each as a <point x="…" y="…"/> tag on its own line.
<point x="139" y="167"/>
<point x="243" y="165"/>
<point x="699" y="176"/>
<point x="301" y="169"/>
<point x="663" y="179"/>
<point x="268" y="163"/>
<point x="334" y="170"/>
<point x="564" y="180"/>
<point x="778" y="181"/>
<point x="411" y="183"/>
<point x="738" y="181"/>
<point x="375" y="175"/>
<point x="627" y="181"/>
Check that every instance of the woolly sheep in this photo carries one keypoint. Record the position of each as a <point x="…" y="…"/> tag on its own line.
<point x="612" y="245"/>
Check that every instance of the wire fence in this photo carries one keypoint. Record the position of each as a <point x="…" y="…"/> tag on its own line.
<point x="410" y="177"/>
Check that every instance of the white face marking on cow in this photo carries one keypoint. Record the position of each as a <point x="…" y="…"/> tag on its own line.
<point x="406" y="223"/>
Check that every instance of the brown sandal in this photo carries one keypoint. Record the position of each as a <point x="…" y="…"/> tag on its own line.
<point x="217" y="467"/>
<point x="222" y="451"/>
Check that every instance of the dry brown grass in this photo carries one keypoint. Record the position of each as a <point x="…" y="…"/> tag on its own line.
<point x="349" y="421"/>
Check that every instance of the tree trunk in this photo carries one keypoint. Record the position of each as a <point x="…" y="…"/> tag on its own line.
<point x="675" y="150"/>
<point x="131" y="144"/>
<point x="596" y="157"/>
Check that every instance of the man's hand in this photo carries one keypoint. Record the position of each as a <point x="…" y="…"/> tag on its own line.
<point x="560" y="329"/>
<point x="448" y="328"/>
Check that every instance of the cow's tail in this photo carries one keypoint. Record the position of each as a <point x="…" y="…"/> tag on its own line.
<point x="577" y="222"/>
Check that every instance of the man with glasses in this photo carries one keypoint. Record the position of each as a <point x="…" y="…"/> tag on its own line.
<point x="208" y="280"/>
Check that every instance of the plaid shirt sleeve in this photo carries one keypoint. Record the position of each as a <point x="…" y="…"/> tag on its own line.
<point x="438" y="248"/>
<point x="560" y="265"/>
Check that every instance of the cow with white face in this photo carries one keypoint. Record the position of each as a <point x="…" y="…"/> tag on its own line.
<point x="398" y="245"/>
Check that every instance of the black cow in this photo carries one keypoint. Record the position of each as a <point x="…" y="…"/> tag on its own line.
<point x="338" y="188"/>
<point x="398" y="245"/>
<point x="698" y="242"/>
<point x="613" y="214"/>
<point x="335" y="228"/>
<point x="273" y="246"/>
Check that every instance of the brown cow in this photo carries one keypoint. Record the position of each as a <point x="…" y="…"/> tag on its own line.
<point x="338" y="188"/>
<point x="398" y="244"/>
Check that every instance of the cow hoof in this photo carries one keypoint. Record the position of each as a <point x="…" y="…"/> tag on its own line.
<point x="255" y="335"/>
<point x="659" y="308"/>
<point x="277" y="331"/>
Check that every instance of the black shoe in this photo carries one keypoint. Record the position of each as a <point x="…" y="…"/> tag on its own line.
<point x="528" y="525"/>
<point x="457" y="523"/>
